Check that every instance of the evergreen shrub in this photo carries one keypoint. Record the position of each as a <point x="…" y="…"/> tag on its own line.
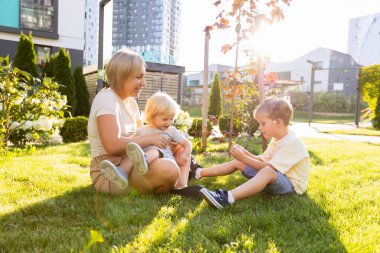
<point x="196" y="128"/>
<point x="224" y="125"/>
<point x="74" y="129"/>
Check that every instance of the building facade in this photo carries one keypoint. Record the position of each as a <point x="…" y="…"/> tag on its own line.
<point x="193" y="92"/>
<point x="336" y="71"/>
<point x="364" y="39"/>
<point x="53" y="23"/>
<point x="159" y="77"/>
<point x="149" y="27"/>
<point x="91" y="32"/>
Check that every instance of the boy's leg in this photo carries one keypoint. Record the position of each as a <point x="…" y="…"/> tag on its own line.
<point x="152" y="154"/>
<point x="256" y="184"/>
<point x="222" y="169"/>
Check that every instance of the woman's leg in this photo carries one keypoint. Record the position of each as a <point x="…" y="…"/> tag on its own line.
<point x="162" y="175"/>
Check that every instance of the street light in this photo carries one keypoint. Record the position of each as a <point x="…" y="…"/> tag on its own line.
<point x="314" y="66"/>
<point x="102" y="4"/>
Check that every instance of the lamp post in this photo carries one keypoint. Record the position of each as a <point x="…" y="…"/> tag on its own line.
<point x="102" y="4"/>
<point x="314" y="66"/>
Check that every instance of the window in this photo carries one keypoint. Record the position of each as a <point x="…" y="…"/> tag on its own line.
<point x="43" y="52"/>
<point x="37" y="15"/>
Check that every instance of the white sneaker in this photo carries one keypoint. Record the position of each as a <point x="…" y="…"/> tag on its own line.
<point x="138" y="157"/>
<point x="114" y="174"/>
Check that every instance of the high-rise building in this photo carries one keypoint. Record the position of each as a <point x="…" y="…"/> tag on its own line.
<point x="91" y="32"/>
<point x="149" y="27"/>
<point x="364" y="39"/>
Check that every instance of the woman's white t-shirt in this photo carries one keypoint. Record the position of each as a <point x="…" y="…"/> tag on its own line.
<point x="126" y="112"/>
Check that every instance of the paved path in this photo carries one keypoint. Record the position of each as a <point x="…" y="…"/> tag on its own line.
<point x="315" y="131"/>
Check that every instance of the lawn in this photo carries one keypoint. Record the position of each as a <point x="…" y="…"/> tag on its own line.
<point x="47" y="204"/>
<point x="367" y="131"/>
<point x="301" y="116"/>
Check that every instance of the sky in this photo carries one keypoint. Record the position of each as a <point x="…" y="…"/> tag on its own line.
<point x="308" y="24"/>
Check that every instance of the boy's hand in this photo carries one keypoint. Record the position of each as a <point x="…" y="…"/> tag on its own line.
<point x="237" y="153"/>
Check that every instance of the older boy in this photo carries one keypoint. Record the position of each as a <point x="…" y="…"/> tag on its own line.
<point x="282" y="169"/>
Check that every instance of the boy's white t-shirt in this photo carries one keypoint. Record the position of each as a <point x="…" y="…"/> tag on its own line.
<point x="289" y="156"/>
<point x="126" y="112"/>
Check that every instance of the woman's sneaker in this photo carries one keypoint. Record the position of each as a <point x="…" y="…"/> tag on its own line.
<point x="138" y="157"/>
<point x="114" y="174"/>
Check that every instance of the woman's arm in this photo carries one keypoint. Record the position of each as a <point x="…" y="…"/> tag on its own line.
<point x="114" y="144"/>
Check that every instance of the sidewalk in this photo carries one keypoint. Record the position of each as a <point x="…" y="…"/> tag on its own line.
<point x="315" y="130"/>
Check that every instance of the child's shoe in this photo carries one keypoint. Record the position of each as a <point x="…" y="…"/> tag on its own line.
<point x="114" y="174"/>
<point x="193" y="168"/>
<point x="218" y="198"/>
<point x="138" y="157"/>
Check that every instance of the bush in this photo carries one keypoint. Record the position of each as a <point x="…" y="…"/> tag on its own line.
<point x="62" y="75"/>
<point x="74" y="129"/>
<point x="196" y="128"/>
<point x="26" y="58"/>
<point x="81" y="93"/>
<point x="215" y="107"/>
<point x="224" y="125"/>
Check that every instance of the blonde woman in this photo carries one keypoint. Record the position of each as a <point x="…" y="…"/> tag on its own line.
<point x="113" y="120"/>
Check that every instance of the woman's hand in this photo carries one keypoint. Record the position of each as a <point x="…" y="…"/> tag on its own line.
<point x="158" y="140"/>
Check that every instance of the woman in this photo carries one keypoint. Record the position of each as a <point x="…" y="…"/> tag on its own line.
<point x="114" y="118"/>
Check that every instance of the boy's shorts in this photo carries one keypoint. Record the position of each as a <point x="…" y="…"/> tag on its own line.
<point x="280" y="187"/>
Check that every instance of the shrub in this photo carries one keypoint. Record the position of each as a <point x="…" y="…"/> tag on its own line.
<point x="62" y="75"/>
<point x="27" y="110"/>
<point x="81" y="93"/>
<point x="215" y="107"/>
<point x="26" y="58"/>
<point x="196" y="128"/>
<point x="224" y="125"/>
<point x="74" y="129"/>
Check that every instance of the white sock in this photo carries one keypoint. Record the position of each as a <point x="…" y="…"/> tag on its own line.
<point x="231" y="199"/>
<point x="198" y="174"/>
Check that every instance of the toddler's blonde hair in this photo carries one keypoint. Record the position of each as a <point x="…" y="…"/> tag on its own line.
<point x="123" y="64"/>
<point x="160" y="104"/>
<point x="275" y="108"/>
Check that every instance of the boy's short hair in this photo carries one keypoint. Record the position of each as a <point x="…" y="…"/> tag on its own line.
<point x="275" y="108"/>
<point x="160" y="104"/>
<point x="123" y="64"/>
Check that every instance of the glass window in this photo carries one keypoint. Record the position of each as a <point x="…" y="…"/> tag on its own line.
<point x="37" y="15"/>
<point x="43" y="52"/>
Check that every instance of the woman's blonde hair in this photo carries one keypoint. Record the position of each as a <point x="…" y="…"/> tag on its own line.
<point x="160" y="104"/>
<point x="275" y="108"/>
<point x="123" y="64"/>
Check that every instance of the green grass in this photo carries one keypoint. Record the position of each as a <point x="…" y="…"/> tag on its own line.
<point x="195" y="111"/>
<point x="368" y="131"/>
<point x="47" y="204"/>
<point x="301" y="116"/>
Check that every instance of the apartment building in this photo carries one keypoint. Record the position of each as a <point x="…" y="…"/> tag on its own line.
<point x="364" y="39"/>
<point x="53" y="23"/>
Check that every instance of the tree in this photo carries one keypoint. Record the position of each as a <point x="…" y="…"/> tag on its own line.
<point x="369" y="85"/>
<point x="62" y="75"/>
<point x="215" y="107"/>
<point x="376" y="119"/>
<point x="26" y="58"/>
<point x="81" y="93"/>
<point x="247" y="16"/>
